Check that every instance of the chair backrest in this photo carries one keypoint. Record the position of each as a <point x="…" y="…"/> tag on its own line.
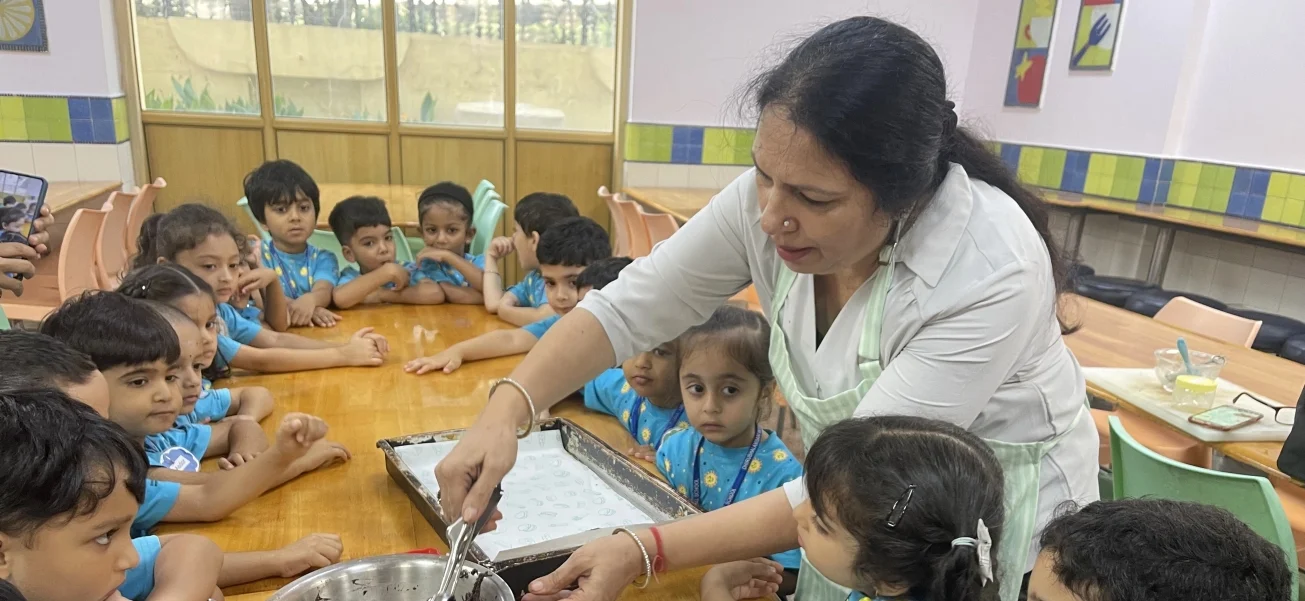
<point x="243" y="203"/>
<point x="140" y="210"/>
<point x="1141" y="472"/>
<point x="480" y="195"/>
<point x="77" y="270"/>
<point x="4" y="321"/>
<point x="1187" y="314"/>
<point x="402" y="251"/>
<point x="486" y="223"/>
<point x="326" y="240"/>
<point x="620" y="229"/>
<point x="639" y="244"/>
<point x="110" y="243"/>
<point x="660" y="226"/>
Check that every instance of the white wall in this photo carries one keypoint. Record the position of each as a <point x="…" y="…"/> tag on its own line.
<point x="692" y="57"/>
<point x="83" y="56"/>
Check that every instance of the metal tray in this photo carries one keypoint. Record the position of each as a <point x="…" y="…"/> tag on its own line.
<point x="647" y="491"/>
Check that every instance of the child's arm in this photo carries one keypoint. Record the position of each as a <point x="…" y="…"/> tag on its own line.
<point x="491" y="279"/>
<point x="266" y="279"/>
<point x="461" y="295"/>
<point x="252" y="402"/>
<point x="360" y="351"/>
<point x="425" y="293"/>
<point x="246" y="441"/>
<point x="357" y="291"/>
<point x="471" y="272"/>
<point x="522" y="316"/>
<point x="500" y="343"/>
<point x="749" y="579"/>
<point x="186" y="568"/>
<point x="312" y="552"/>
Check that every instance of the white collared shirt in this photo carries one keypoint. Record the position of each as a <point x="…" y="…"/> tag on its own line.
<point x="969" y="332"/>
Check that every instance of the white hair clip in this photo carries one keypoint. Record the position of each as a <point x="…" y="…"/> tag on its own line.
<point x="983" y="546"/>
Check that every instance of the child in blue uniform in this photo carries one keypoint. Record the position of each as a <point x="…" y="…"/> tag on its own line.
<point x="527" y="301"/>
<point x="64" y="527"/>
<point x="284" y="198"/>
<point x="726" y="384"/>
<point x="362" y="225"/>
<point x="446" y="211"/>
<point x="566" y="251"/>
<point x="32" y="360"/>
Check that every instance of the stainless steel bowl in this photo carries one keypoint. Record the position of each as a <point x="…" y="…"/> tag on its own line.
<point x="406" y="577"/>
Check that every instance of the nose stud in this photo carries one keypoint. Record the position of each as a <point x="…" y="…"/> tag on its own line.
<point x="788" y="223"/>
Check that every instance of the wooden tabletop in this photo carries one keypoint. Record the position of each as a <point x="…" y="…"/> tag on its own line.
<point x="358" y="500"/>
<point x="682" y="203"/>
<point x="401" y="200"/>
<point x="1114" y="337"/>
<point x="67" y="195"/>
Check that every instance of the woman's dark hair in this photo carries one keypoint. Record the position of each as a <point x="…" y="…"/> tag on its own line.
<point x="168" y="283"/>
<point x="741" y="334"/>
<point x="181" y="229"/>
<point x="9" y="592"/>
<point x="905" y="488"/>
<point x="874" y="95"/>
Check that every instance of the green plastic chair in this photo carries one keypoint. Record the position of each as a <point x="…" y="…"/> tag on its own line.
<point x="403" y="246"/>
<point x="486" y="222"/>
<point x="481" y="194"/>
<point x="243" y="203"/>
<point x="1141" y="472"/>
<point x="4" y="321"/>
<point x="326" y="240"/>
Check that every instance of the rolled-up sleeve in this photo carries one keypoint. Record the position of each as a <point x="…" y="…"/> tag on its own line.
<point x="685" y="278"/>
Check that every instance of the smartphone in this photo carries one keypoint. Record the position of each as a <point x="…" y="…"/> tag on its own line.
<point x="21" y="199"/>
<point x="1226" y="418"/>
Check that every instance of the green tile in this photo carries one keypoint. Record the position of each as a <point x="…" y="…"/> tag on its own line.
<point x="1126" y="189"/>
<point x="61" y="131"/>
<point x="1030" y="164"/>
<point x="743" y="140"/>
<point x="38" y="131"/>
<point x="1223" y="177"/>
<point x="1273" y="206"/>
<point x="717" y="146"/>
<point x="1219" y="201"/>
<point x="1103" y="165"/>
<point x="11" y="108"/>
<point x="1204" y="198"/>
<point x="1292" y="211"/>
<point x="1278" y="184"/>
<point x="650" y="143"/>
<point x="121" y="133"/>
<point x="1208" y="174"/>
<point x="1296" y="187"/>
<point x="13" y="130"/>
<point x="1182" y="195"/>
<point x="1053" y="168"/>
<point x="119" y="108"/>
<point x="1130" y="168"/>
<point x="1096" y="184"/>
<point x="1187" y="172"/>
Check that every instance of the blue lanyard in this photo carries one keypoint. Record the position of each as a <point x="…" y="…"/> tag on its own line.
<point x="271" y="254"/>
<point x="738" y="480"/>
<point x="638" y="413"/>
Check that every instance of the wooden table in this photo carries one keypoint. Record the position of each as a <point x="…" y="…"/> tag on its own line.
<point x="1114" y="337"/>
<point x="358" y="500"/>
<point x="63" y="196"/>
<point x="681" y="203"/>
<point x="401" y="201"/>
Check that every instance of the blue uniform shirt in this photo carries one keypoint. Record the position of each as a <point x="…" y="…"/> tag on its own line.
<point x="140" y="579"/>
<point x="350" y="274"/>
<point x="180" y="448"/>
<point x="159" y="498"/>
<point x="539" y="328"/>
<point x="609" y="393"/>
<point x="771" y="467"/>
<point x="530" y="290"/>
<point x="236" y="331"/>
<point x="299" y="272"/>
<point x="443" y="272"/>
<point x="214" y="404"/>
<point x="252" y="313"/>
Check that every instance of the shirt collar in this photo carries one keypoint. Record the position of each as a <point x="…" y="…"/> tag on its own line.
<point x="928" y="245"/>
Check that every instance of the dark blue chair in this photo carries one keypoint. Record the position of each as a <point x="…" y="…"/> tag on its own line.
<point x="1109" y="290"/>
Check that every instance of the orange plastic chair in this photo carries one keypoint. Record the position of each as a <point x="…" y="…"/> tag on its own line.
<point x="110" y="244"/>
<point x="140" y="210"/>
<point x="659" y="226"/>
<point x="639" y="245"/>
<point x="620" y="229"/>
<point x="1192" y="316"/>
<point x="77" y="269"/>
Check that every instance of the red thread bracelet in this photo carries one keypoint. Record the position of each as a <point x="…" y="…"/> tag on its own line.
<point x="659" y="561"/>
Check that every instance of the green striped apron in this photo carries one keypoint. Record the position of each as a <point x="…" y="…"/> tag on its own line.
<point x="1021" y="462"/>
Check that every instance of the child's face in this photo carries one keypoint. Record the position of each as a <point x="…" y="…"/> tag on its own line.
<point x="201" y="310"/>
<point x="291" y="223"/>
<point x="653" y="376"/>
<point x="95" y="393"/>
<point x="216" y="260"/>
<point x="16" y="226"/>
<point x="446" y="227"/>
<point x="1043" y="584"/>
<point x="145" y="398"/>
<point x="559" y="286"/>
<point x="371" y="247"/>
<point x="85" y="559"/>
<point x="829" y="548"/>
<point x="188" y="366"/>
<point x="720" y="395"/>
<point x="525" y="247"/>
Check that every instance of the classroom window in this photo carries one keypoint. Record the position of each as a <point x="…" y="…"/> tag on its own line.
<point x="566" y="64"/>
<point x="197" y="56"/>
<point x="450" y="56"/>
<point x="327" y="59"/>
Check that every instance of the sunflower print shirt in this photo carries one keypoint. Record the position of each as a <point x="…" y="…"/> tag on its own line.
<point x="609" y="393"/>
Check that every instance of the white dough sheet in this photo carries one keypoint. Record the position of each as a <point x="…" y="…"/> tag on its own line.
<point x="548" y="495"/>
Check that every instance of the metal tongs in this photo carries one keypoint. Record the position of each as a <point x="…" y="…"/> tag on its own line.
<point x="460" y="536"/>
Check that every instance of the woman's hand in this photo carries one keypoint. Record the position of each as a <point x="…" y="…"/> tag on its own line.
<point x="601" y="569"/>
<point x="484" y="454"/>
<point x="15" y="258"/>
<point x="40" y="236"/>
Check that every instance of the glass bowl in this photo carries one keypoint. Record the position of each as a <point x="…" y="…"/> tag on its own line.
<point x="1169" y="365"/>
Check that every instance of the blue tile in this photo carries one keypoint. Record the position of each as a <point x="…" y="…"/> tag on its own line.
<point x="82" y="132"/>
<point x="1242" y="180"/>
<point x="1237" y="204"/>
<point x="1146" y="194"/>
<point x="1073" y="182"/>
<point x="1151" y="170"/>
<point x="79" y="108"/>
<point x="695" y="136"/>
<point x="1162" y="192"/>
<point x="1010" y="154"/>
<point x="103" y="132"/>
<point x="101" y="108"/>
<point x="1259" y="182"/>
<point x="1081" y="160"/>
<point x="1166" y="170"/>
<point x="1254" y="206"/>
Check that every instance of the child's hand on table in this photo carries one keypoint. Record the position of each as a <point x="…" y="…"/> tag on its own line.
<point x="644" y="452"/>
<point x="301" y="311"/>
<point x="448" y="361"/>
<point x="362" y="351"/>
<point x="298" y="432"/>
<point x="324" y="453"/>
<point x="248" y="445"/>
<point x="311" y="552"/>
<point x="382" y="344"/>
<point x="323" y="318"/>
<point x="738" y="580"/>
<point x="499" y="247"/>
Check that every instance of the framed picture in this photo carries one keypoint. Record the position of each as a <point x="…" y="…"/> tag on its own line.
<point x="1097" y="36"/>
<point x="22" y="26"/>
<point x="1028" y="65"/>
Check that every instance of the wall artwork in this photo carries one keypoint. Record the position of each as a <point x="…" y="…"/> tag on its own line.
<point x="22" y="26"/>
<point x="1097" y="35"/>
<point x="1028" y="65"/>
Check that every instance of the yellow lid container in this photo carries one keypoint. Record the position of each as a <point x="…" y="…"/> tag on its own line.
<point x="1195" y="384"/>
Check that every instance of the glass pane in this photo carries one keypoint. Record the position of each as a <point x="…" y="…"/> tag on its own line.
<point x="328" y="59"/>
<point x="450" y="61"/>
<point x="197" y="56"/>
<point x="566" y="64"/>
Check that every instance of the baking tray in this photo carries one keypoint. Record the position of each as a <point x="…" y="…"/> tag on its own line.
<point x="645" y="491"/>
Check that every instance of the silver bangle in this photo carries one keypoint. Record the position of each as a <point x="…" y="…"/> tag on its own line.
<point x="529" y="401"/>
<point x="647" y="563"/>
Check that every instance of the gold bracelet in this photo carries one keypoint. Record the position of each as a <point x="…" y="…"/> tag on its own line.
<point x="529" y="401"/>
<point x="647" y="563"/>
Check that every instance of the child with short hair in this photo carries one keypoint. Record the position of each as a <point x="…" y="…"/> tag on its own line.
<point x="726" y="385"/>
<point x="137" y="351"/>
<point x="527" y="301"/>
<point x="73" y="482"/>
<point x="1157" y="550"/>
<point x="202" y="240"/>
<point x="566" y="251"/>
<point x="12" y="220"/>
<point x="32" y="360"/>
<point x="285" y="200"/>
<point x="446" y="210"/>
<point x="362" y="225"/>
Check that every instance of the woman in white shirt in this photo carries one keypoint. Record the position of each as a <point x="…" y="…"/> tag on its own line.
<point x="905" y="271"/>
